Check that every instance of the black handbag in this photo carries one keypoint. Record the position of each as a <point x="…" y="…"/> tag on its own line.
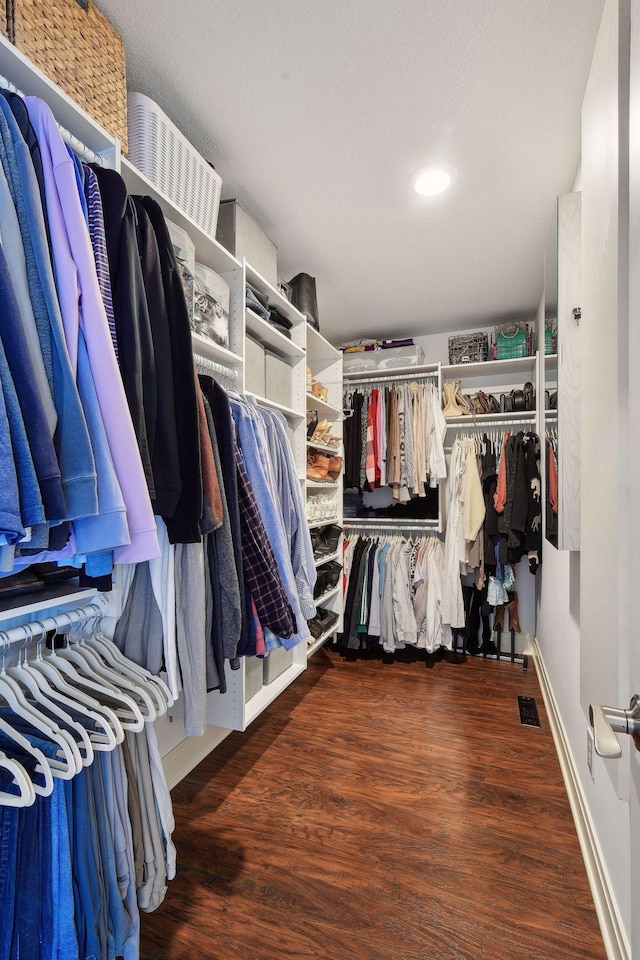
<point x="303" y="297"/>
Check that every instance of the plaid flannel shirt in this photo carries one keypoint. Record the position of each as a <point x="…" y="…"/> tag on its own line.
<point x="260" y="569"/>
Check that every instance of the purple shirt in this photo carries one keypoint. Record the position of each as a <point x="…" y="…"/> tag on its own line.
<point x="82" y="307"/>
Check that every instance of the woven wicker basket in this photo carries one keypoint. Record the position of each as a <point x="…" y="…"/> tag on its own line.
<point x="76" y="46"/>
<point x="3" y="19"/>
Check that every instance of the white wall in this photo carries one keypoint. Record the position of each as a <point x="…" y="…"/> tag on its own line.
<point x="579" y="620"/>
<point x="559" y="641"/>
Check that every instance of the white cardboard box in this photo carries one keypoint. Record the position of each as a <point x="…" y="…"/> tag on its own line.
<point x="278" y="379"/>
<point x="254" y="373"/>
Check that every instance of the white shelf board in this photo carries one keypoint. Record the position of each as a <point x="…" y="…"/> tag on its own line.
<point x="319" y="348"/>
<point x="208" y="251"/>
<point x="276" y="299"/>
<point x="550" y="362"/>
<point x="320" y="562"/>
<point x="315" y="403"/>
<point x="490" y="368"/>
<point x="273" y="405"/>
<point x="325" y="448"/>
<point x="207" y="348"/>
<point x="268" y="335"/>
<point x="333" y="485"/>
<point x="22" y="73"/>
<point x="324" y="597"/>
<point x="551" y="414"/>
<point x="270" y="691"/>
<point x="524" y="415"/>
<point x="323" y="523"/>
<point x="410" y="523"/>
<point x="320" y="642"/>
<point x="64" y="594"/>
<point x="421" y="369"/>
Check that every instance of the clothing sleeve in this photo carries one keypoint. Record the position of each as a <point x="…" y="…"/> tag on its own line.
<point x="437" y="461"/>
<point x="500" y="496"/>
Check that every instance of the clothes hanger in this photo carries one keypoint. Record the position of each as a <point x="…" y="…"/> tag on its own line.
<point x="67" y="763"/>
<point x="107" y="730"/>
<point x="91" y="665"/>
<point x="42" y="768"/>
<point x="114" y="656"/>
<point x="49" y="706"/>
<point x="27" y="795"/>
<point x="123" y="705"/>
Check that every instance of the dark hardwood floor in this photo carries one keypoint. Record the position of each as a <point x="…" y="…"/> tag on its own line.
<point x="381" y="812"/>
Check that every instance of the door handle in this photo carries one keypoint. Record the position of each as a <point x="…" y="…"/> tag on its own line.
<point x="607" y="722"/>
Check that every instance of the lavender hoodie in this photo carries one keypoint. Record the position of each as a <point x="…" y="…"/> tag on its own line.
<point x="82" y="308"/>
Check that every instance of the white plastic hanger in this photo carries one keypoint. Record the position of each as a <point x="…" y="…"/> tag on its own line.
<point x="114" y="656"/>
<point x="55" y="685"/>
<point x="67" y="762"/>
<point x="27" y="795"/>
<point x="94" y="671"/>
<point x="49" y="706"/>
<point x="42" y="789"/>
<point x="150" y="689"/>
<point x="123" y="706"/>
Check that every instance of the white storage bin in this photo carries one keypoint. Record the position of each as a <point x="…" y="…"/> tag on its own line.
<point x="254" y="367"/>
<point x="165" y="156"/>
<point x="243" y="237"/>
<point x="359" y="362"/>
<point x="211" y="306"/>
<point x="185" y="251"/>
<point x="276" y="663"/>
<point x="252" y="677"/>
<point x="399" y="357"/>
<point x="277" y="379"/>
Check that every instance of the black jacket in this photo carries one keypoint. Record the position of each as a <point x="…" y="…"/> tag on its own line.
<point x="133" y="329"/>
<point x="184" y="526"/>
<point x="165" y="460"/>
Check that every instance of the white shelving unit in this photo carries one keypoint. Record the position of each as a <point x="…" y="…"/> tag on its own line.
<point x="237" y="708"/>
<point x="325" y="363"/>
<point x="493" y="377"/>
<point x="247" y="694"/>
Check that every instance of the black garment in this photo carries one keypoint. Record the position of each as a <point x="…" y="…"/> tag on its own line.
<point x="184" y="526"/>
<point x="165" y="460"/>
<point x="228" y="619"/>
<point x="489" y="484"/>
<point x="20" y="112"/>
<point x="133" y="329"/>
<point x="349" y="638"/>
<point x="225" y="434"/>
<point x="353" y="443"/>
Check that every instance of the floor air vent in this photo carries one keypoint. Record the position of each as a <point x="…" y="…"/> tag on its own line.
<point x="528" y="711"/>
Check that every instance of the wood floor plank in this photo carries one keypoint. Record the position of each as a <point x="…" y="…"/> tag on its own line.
<point x="380" y="812"/>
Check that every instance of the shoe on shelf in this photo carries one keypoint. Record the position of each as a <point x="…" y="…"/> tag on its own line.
<point x="312" y="423"/>
<point x="334" y="468"/>
<point x="317" y="466"/>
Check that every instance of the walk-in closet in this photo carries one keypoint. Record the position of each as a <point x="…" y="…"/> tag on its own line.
<point x="319" y="421"/>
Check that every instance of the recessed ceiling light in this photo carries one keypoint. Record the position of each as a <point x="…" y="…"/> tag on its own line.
<point x="433" y="179"/>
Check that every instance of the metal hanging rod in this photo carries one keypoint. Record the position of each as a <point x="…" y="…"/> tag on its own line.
<point x="375" y="523"/>
<point x="25" y="631"/>
<point x="492" y="424"/>
<point x="205" y="365"/>
<point x="78" y="147"/>
<point x="355" y="379"/>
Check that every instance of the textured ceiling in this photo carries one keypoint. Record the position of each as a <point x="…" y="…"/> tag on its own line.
<point x="317" y="112"/>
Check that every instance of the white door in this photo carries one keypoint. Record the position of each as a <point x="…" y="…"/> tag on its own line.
<point x="633" y="647"/>
<point x="610" y="411"/>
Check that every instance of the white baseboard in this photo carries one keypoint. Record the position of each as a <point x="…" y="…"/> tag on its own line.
<point x="190" y="752"/>
<point x="605" y="903"/>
